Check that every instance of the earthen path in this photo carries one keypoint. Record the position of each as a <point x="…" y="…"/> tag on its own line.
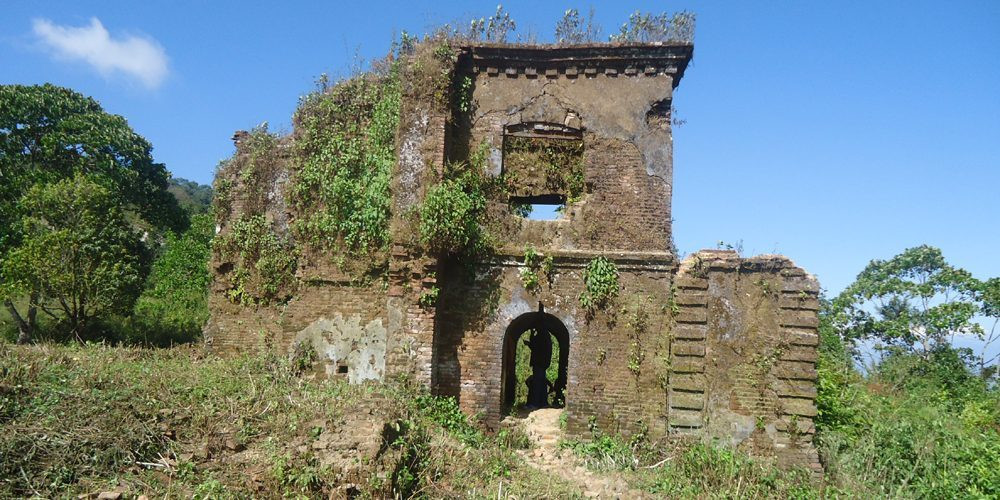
<point x="542" y="426"/>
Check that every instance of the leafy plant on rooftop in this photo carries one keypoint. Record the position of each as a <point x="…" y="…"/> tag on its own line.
<point x="663" y="27"/>
<point x="572" y="29"/>
<point x="494" y="29"/>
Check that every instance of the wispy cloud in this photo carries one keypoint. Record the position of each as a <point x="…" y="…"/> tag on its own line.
<point x="137" y="57"/>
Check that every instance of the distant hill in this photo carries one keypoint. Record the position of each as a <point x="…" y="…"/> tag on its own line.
<point x="193" y="197"/>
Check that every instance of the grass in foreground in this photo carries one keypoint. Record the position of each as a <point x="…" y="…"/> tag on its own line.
<point x="178" y="423"/>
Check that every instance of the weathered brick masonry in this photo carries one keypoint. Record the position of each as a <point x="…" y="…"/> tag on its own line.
<point x="716" y="346"/>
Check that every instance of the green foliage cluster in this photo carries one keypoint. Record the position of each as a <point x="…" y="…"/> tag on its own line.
<point x="609" y="452"/>
<point x="78" y="254"/>
<point x="345" y="142"/>
<point x="56" y="143"/>
<point x="663" y="27"/>
<point x="923" y="420"/>
<point x="450" y="217"/>
<point x="173" y="307"/>
<point x="913" y="428"/>
<point x="914" y="299"/>
<point x="560" y="159"/>
<point x="601" y="281"/>
<point x="192" y="197"/>
<point x="454" y="211"/>
<point x="264" y="268"/>
<point x="429" y="297"/>
<point x="535" y="264"/>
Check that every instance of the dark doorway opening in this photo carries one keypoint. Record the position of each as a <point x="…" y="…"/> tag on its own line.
<point x="535" y="358"/>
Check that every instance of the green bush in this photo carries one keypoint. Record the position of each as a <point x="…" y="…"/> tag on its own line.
<point x="450" y="216"/>
<point x="174" y="306"/>
<point x="913" y="427"/>
<point x="912" y="445"/>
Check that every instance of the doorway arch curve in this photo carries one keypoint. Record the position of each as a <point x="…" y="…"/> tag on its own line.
<point x="542" y="322"/>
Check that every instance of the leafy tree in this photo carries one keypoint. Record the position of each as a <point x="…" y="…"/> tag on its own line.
<point x="77" y="251"/>
<point x="914" y="301"/>
<point x="49" y="134"/>
<point x="989" y="295"/>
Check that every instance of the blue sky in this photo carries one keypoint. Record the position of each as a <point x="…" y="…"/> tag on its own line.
<point x="832" y="132"/>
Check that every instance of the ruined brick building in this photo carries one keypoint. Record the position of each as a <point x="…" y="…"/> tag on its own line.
<point x="714" y="345"/>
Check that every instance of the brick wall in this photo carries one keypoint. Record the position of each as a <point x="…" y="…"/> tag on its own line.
<point x="744" y="353"/>
<point x="717" y="347"/>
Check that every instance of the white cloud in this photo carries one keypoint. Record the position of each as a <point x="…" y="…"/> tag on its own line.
<point x="141" y="58"/>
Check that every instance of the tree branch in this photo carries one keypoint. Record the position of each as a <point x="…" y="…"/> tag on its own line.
<point x="23" y="329"/>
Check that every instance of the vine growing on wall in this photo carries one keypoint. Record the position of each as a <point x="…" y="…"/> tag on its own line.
<point x="345" y="144"/>
<point x="535" y="265"/>
<point x="264" y="267"/>
<point x="637" y="324"/>
<point x="601" y="281"/>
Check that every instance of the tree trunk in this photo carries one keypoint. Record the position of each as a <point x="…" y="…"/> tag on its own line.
<point x="24" y="329"/>
<point x="33" y="311"/>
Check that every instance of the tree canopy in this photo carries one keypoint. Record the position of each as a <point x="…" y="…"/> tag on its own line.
<point x="50" y="134"/>
<point x="914" y="301"/>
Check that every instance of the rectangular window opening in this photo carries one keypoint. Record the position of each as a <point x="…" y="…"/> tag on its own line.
<point x="545" y="207"/>
<point x="341" y="369"/>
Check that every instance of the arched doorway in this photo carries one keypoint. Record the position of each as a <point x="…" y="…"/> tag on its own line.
<point x="541" y="335"/>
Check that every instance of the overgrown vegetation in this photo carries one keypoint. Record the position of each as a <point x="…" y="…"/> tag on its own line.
<point x="536" y="265"/>
<point x="560" y="162"/>
<point x="345" y="144"/>
<point x="173" y="423"/>
<point x="923" y="420"/>
<point x="453" y="215"/>
<point x="689" y="469"/>
<point x="173" y="307"/>
<point x="264" y="270"/>
<point x="601" y="281"/>
<point x="574" y="30"/>
<point x="663" y="27"/>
